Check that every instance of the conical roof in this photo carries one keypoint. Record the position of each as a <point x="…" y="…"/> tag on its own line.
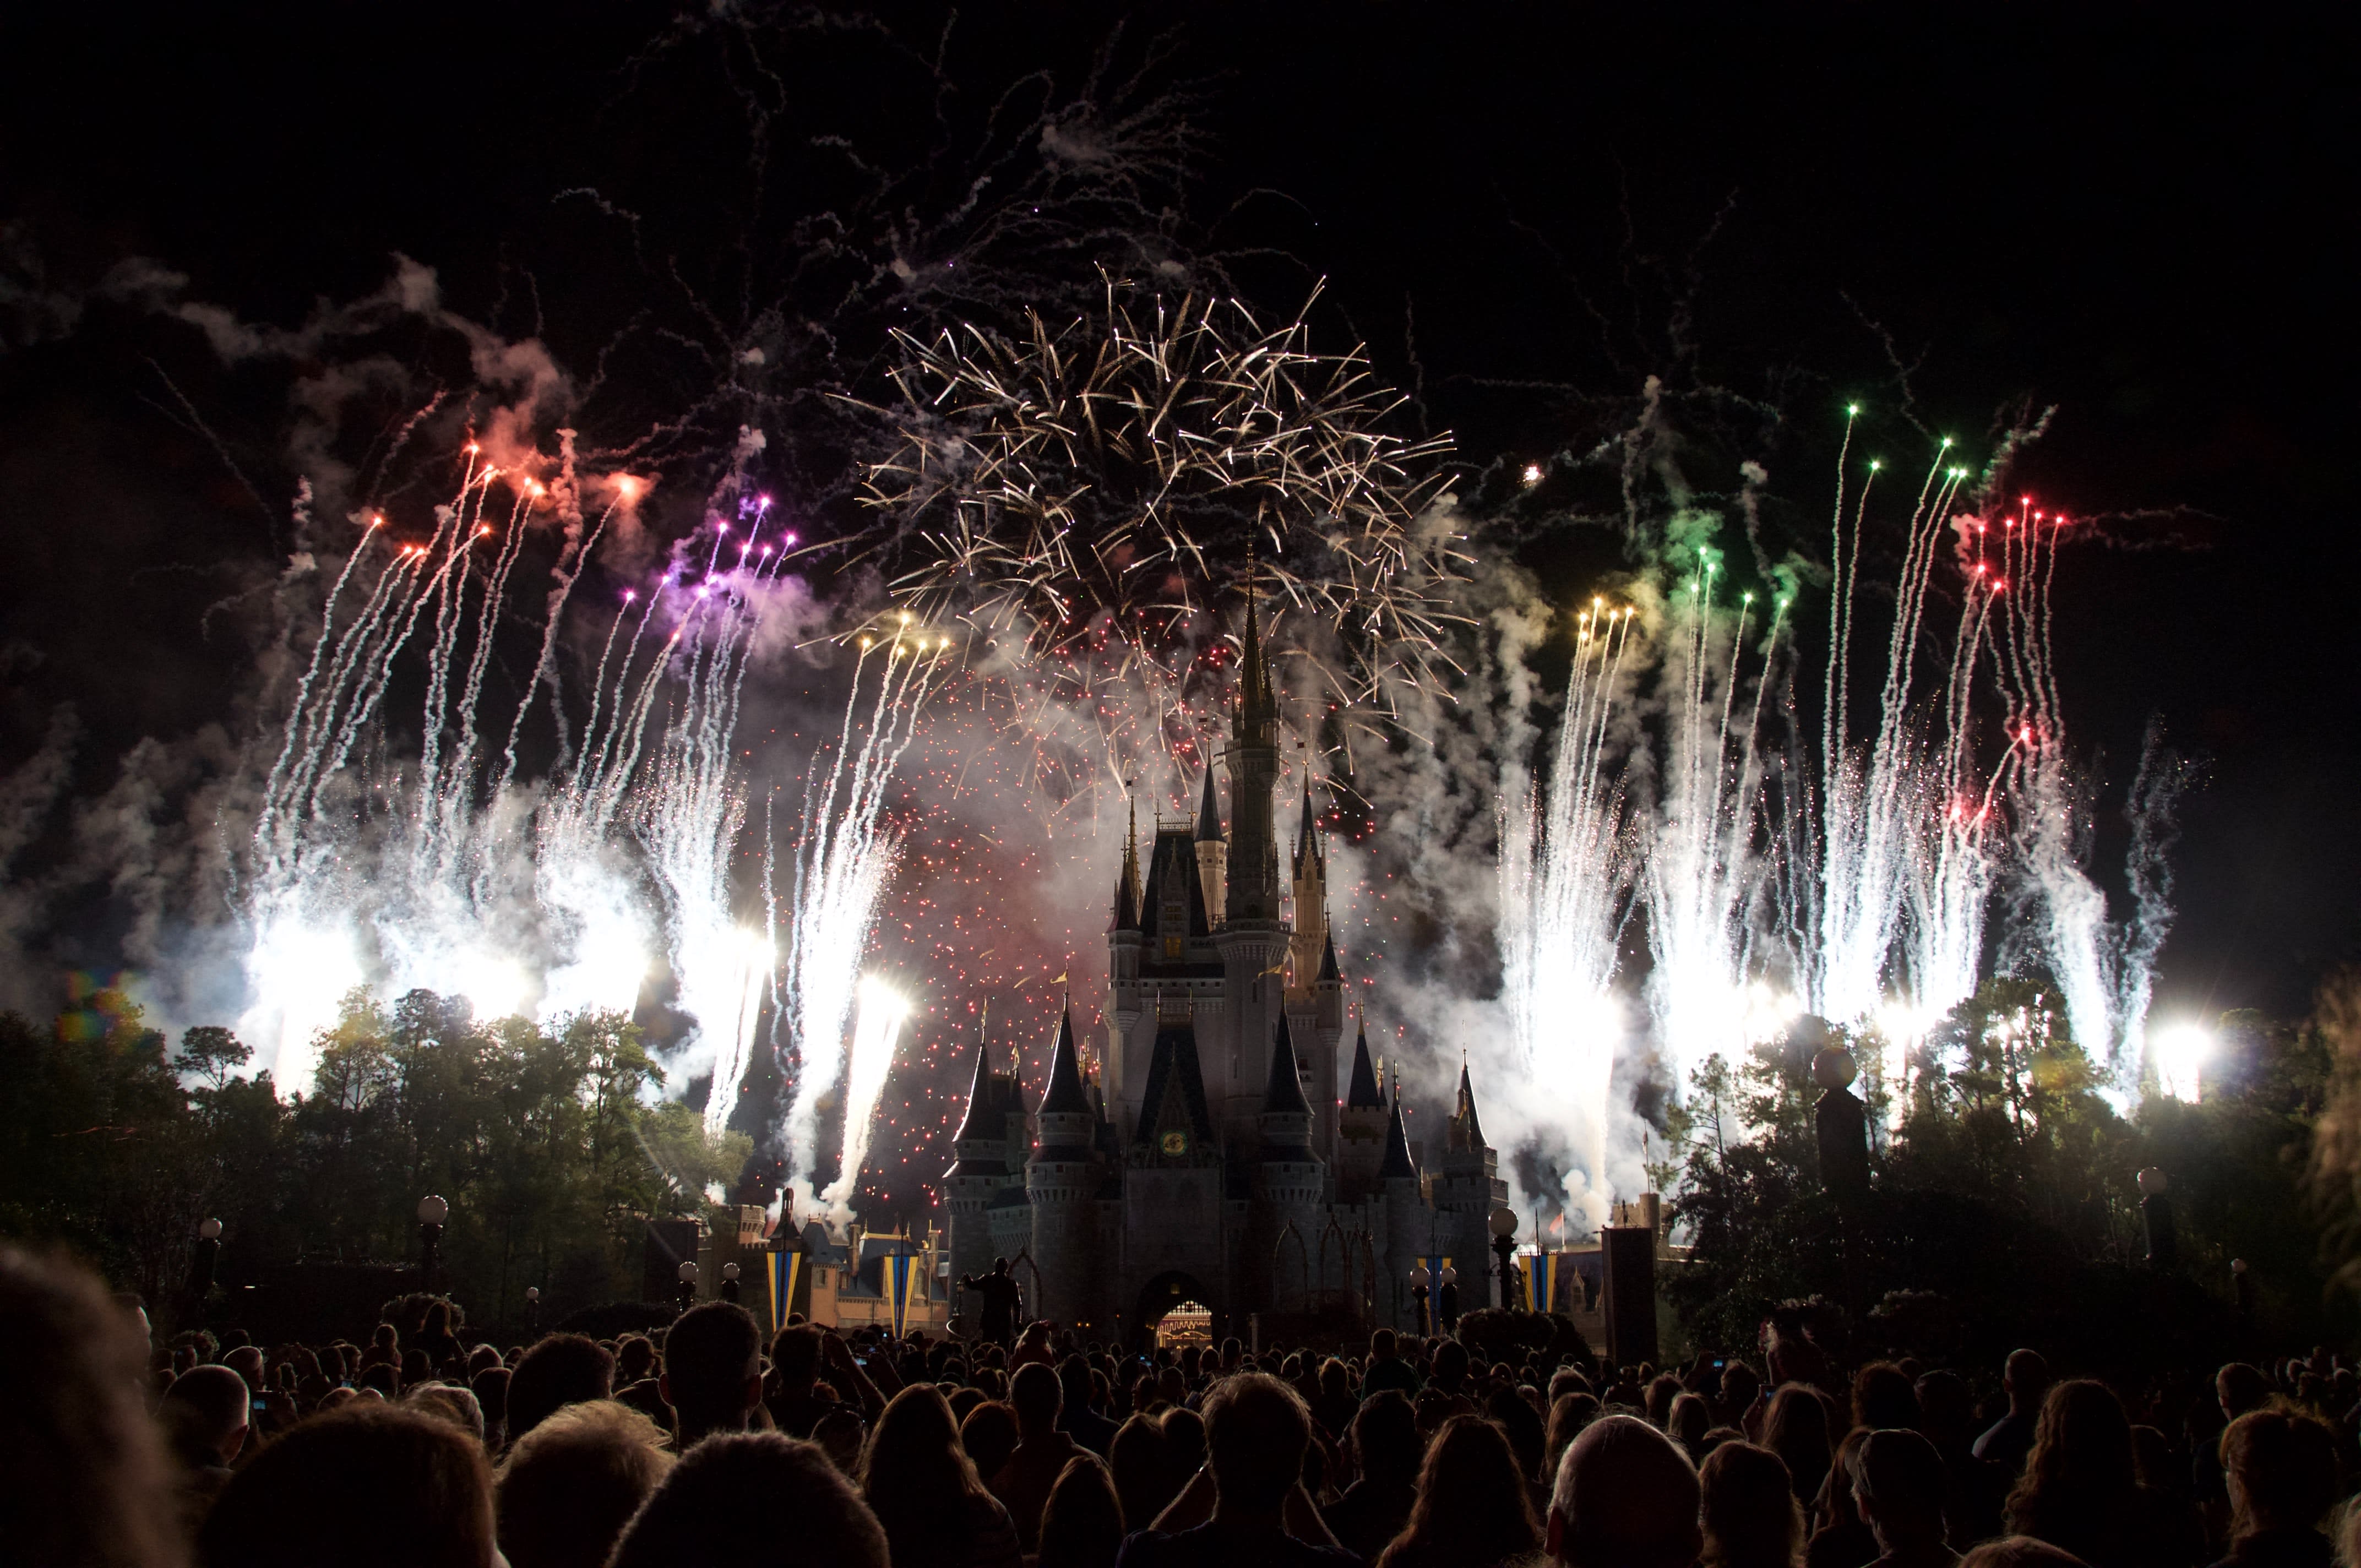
<point x="978" y="1099"/>
<point x="1363" y="1093"/>
<point x="1209" y="814"/>
<point x="1284" y="1093"/>
<point x="1397" y="1162"/>
<point x="1126" y="886"/>
<point x="1064" y="1096"/>
<point x="1328" y="969"/>
<point x="1467" y="1132"/>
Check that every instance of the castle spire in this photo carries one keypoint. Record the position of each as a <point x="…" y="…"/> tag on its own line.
<point x="1064" y="1095"/>
<point x="1398" y="1162"/>
<point x="980" y="1094"/>
<point x="1126" y="887"/>
<point x="1209" y="814"/>
<point x="1363" y="1093"/>
<point x="1467" y="1132"/>
<point x="1284" y="1093"/>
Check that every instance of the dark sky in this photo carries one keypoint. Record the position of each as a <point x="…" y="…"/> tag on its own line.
<point x="2141" y="216"/>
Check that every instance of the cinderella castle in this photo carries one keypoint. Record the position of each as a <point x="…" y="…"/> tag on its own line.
<point x="1210" y="1156"/>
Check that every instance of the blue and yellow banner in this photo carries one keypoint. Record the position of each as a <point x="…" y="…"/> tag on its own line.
<point x="785" y="1269"/>
<point x="1540" y="1281"/>
<point x="900" y="1269"/>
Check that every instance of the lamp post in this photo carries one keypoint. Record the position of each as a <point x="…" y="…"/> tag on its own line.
<point x="432" y="1214"/>
<point x="730" y="1282"/>
<point x="685" y="1296"/>
<point x="207" y="1258"/>
<point x="1447" y="1300"/>
<point x="1418" y="1281"/>
<point x="1504" y="1247"/>
<point x="533" y="1310"/>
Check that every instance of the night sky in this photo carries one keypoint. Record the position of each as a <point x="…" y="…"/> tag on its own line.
<point x="2142" y="216"/>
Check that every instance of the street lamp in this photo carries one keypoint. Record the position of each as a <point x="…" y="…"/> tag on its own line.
<point x="687" y="1295"/>
<point x="1447" y="1302"/>
<point x="208" y="1256"/>
<point x="432" y="1214"/>
<point x="533" y="1310"/>
<point x="1504" y="1247"/>
<point x="1419" y="1278"/>
<point x="730" y="1282"/>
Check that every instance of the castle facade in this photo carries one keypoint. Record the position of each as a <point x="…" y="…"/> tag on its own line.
<point x="1211" y="1154"/>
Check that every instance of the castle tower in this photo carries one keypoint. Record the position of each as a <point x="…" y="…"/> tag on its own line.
<point x="1253" y="940"/>
<point x="1290" y="1182"/>
<point x="1327" y="1030"/>
<point x="1409" y="1222"/>
<point x="1124" y="939"/>
<point x="1213" y="851"/>
<point x="979" y="1169"/>
<point x="1468" y="1189"/>
<point x="1311" y="889"/>
<point x="1360" y="1126"/>
<point x="1062" y="1181"/>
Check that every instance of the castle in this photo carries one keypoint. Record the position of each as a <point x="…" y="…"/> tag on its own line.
<point x="1212" y="1158"/>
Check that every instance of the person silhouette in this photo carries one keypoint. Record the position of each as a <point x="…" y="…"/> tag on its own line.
<point x="997" y="1316"/>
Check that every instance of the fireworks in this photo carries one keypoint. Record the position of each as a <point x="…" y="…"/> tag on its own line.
<point x="1090" y="500"/>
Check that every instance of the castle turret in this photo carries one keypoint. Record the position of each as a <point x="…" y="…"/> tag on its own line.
<point x="1311" y="891"/>
<point x="1253" y="940"/>
<point x="1465" y="1193"/>
<point x="1409" y="1224"/>
<point x="1124" y="942"/>
<point x="1290" y="1183"/>
<point x="1360" y="1126"/>
<point x="981" y="1167"/>
<point x="1062" y="1181"/>
<point x="1213" y="851"/>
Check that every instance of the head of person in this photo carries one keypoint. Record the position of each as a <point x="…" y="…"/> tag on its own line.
<point x="2239" y="1387"/>
<point x="2081" y="1466"/>
<point x="712" y="1369"/>
<point x="1083" y="1522"/>
<point x="1751" y="1516"/>
<point x="88" y="1479"/>
<point x="2281" y="1468"/>
<point x="988" y="1432"/>
<point x="1074" y="1383"/>
<point x="794" y="1356"/>
<point x="752" y="1500"/>
<point x="1569" y="1413"/>
<point x="2026" y="1375"/>
<point x="369" y="1484"/>
<point x="1257" y="1429"/>
<point x="841" y="1435"/>
<point x="1688" y="1421"/>
<point x="1381" y="1345"/>
<point x="561" y="1370"/>
<point x="1946" y="1409"/>
<point x="1472" y="1500"/>
<point x="1883" y="1396"/>
<point x="916" y="1476"/>
<point x="1143" y="1481"/>
<point x="1795" y="1428"/>
<point x="2020" y="1551"/>
<point x="1897" y="1486"/>
<point x="1385" y="1438"/>
<point x="1450" y="1362"/>
<point x="570" y="1486"/>
<point x="454" y="1404"/>
<point x="1740" y="1384"/>
<point x="247" y="1362"/>
<point x="1037" y="1397"/>
<point x="1626" y="1497"/>
<point x="1184" y="1440"/>
<point x="204" y="1414"/>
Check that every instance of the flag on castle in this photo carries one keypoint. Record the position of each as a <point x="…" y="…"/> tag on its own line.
<point x="900" y="1270"/>
<point x="786" y="1269"/>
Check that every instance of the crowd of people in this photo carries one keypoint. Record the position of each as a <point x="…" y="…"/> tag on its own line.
<point x="700" y="1445"/>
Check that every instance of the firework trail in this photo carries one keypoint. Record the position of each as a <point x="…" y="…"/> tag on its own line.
<point x="844" y="857"/>
<point x="1565" y="876"/>
<point x="1704" y="868"/>
<point x="1091" y="500"/>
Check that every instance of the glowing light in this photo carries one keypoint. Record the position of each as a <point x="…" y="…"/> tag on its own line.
<point x="2180" y="1055"/>
<point x="1532" y="475"/>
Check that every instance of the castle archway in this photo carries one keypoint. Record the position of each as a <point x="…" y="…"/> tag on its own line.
<point x="1169" y="1292"/>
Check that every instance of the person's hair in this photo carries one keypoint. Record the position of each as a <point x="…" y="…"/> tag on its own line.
<point x="2079" y="1474"/>
<point x="1036" y="1393"/>
<point x="491" y="1388"/>
<point x="570" y="1486"/>
<point x="2026" y="1373"/>
<point x="795" y="1353"/>
<point x="367" y="1484"/>
<point x="1472" y="1504"/>
<point x="1381" y="1342"/>
<point x="1142" y="1483"/>
<point x="1688" y="1421"/>
<point x="1663" y="1389"/>
<point x="561" y="1370"/>
<point x="1569" y="1413"/>
<point x="752" y="1500"/>
<point x="1626" y="1497"/>
<point x="1385" y="1437"/>
<point x="708" y="1355"/>
<point x="1184" y="1442"/>
<point x="1257" y="1429"/>
<point x="1450" y="1359"/>
<point x="1796" y="1429"/>
<point x="454" y="1404"/>
<point x="1897" y="1485"/>
<point x="634" y="1356"/>
<point x="1882" y="1397"/>
<point x="2281" y="1468"/>
<point x="989" y="1434"/>
<point x="918" y="1480"/>
<point x="1083" y="1522"/>
<point x="2019" y="1551"/>
<point x="87" y="1478"/>
<point x="1749" y="1512"/>
<point x="204" y="1404"/>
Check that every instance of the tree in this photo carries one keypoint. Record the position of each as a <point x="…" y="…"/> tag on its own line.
<point x="212" y="1053"/>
